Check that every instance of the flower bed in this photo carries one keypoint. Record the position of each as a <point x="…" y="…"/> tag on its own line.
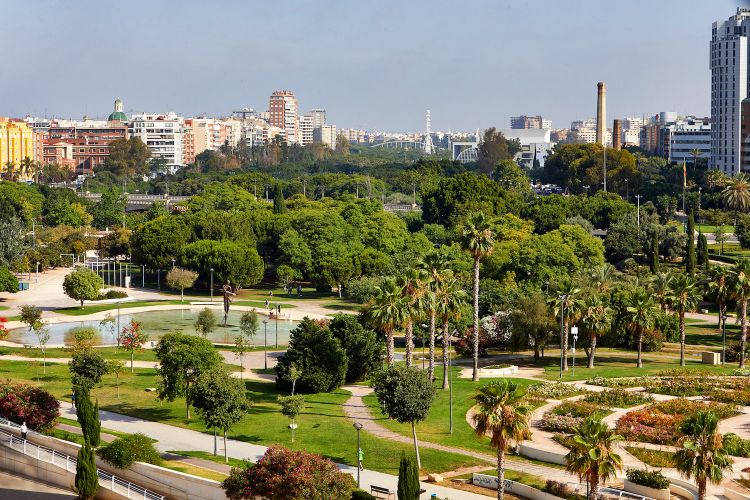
<point x="618" y="382"/>
<point x="552" y="422"/>
<point x="538" y="394"/>
<point x="566" y="416"/>
<point x="648" y="478"/>
<point x="654" y="458"/>
<point x="659" y="423"/>
<point x="618" y="398"/>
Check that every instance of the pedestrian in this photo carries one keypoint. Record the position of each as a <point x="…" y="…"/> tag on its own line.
<point x="278" y="309"/>
<point x="73" y="398"/>
<point x="299" y="289"/>
<point x="266" y="303"/>
<point x="24" y="430"/>
<point x="270" y="294"/>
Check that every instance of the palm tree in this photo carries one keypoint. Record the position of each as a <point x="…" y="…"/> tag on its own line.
<point x="718" y="285"/>
<point x="702" y="455"/>
<point x="567" y="303"/>
<point x="27" y="165"/>
<point x="640" y="315"/>
<point x="501" y="415"/>
<point x="435" y="265"/>
<point x="695" y="153"/>
<point x="740" y="286"/>
<point x="715" y="178"/>
<point x="736" y="196"/>
<point x="413" y="290"/>
<point x="595" y="316"/>
<point x="592" y="454"/>
<point x="10" y="168"/>
<point x="603" y="277"/>
<point x="479" y="240"/>
<point x="387" y="312"/>
<point x="684" y="295"/>
<point x="451" y="297"/>
<point x="661" y="284"/>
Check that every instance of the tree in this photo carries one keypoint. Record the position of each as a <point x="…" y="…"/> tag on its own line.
<point x="435" y="265"/>
<point x="364" y="351"/>
<point x="115" y="367"/>
<point x="640" y="315"/>
<point x="132" y="339"/>
<point x="82" y="284"/>
<point x="182" y="359"/>
<point x="684" y="295"/>
<point x="26" y="403"/>
<point x="532" y="322"/>
<point x="83" y="339"/>
<point x="654" y="253"/>
<point x="8" y="282"/>
<point x="342" y="144"/>
<point x="87" y="368"/>
<point x="12" y="241"/>
<point x="317" y="354"/>
<point x="510" y="175"/>
<point x="240" y="348"/>
<point x="405" y="394"/>
<point x="239" y="264"/>
<point x="408" y="479"/>
<point x="31" y="315"/>
<point x="278" y="200"/>
<point x="220" y="399"/>
<point x="479" y="240"/>
<point x="156" y="242"/>
<point x="736" y="195"/>
<point x="718" y="285"/>
<point x="180" y="279"/>
<point x="88" y="415"/>
<point x="41" y="330"/>
<point x="108" y="325"/>
<point x="286" y="274"/>
<point x="205" y="322"/>
<point x="492" y="148"/>
<point x="287" y="474"/>
<point x="702" y="251"/>
<point x="387" y="312"/>
<point x="127" y="157"/>
<point x="592" y="454"/>
<point x="740" y="286"/>
<point x="249" y="324"/>
<point x="110" y="211"/>
<point x="595" y="317"/>
<point x="413" y="290"/>
<point x="720" y="236"/>
<point x="87" y="479"/>
<point x="451" y="299"/>
<point x="291" y="406"/>
<point x="702" y="455"/>
<point x="690" y="256"/>
<point x="501" y="414"/>
<point x="567" y="305"/>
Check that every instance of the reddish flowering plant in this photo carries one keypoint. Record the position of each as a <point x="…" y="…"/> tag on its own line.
<point x="132" y="339"/>
<point x="3" y="329"/>
<point x="26" y="403"/>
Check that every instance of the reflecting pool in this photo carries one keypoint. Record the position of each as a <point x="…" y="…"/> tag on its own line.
<point x="157" y="323"/>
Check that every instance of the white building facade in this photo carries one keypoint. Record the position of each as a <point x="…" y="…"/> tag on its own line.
<point x="687" y="137"/>
<point x="163" y="134"/>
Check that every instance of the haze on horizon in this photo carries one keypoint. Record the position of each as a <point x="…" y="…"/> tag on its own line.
<point x="374" y="65"/>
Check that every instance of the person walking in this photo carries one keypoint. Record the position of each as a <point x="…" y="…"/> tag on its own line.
<point x="24" y="430"/>
<point x="73" y="398"/>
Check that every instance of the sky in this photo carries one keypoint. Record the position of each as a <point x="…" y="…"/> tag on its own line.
<point x="374" y="65"/>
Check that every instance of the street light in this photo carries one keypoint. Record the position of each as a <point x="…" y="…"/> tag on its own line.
<point x="173" y="261"/>
<point x="724" y="338"/>
<point x="158" y="279"/>
<point x="574" y="332"/>
<point x="143" y="276"/>
<point x="265" y="344"/>
<point x="37" y="272"/>
<point x="562" y="299"/>
<point x="360" y="455"/>
<point x="212" y="284"/>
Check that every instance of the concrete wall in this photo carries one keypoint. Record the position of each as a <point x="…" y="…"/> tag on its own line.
<point x="528" y="450"/>
<point x="639" y="489"/>
<point x="735" y="492"/>
<point x="682" y="488"/>
<point x="513" y="487"/>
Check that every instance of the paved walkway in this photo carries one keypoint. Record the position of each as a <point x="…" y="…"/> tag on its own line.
<point x="14" y="487"/>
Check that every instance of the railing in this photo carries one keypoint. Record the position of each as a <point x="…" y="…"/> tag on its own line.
<point x="44" y="454"/>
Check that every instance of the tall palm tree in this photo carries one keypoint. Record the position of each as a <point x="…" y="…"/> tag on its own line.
<point x="567" y="303"/>
<point x="640" y="315"/>
<point x="435" y="265"/>
<point x="10" y="169"/>
<point x="501" y="415"/>
<point x="595" y="316"/>
<point x="740" y="285"/>
<point x="27" y="165"/>
<point x="603" y="277"/>
<point x="479" y="240"/>
<point x="702" y="455"/>
<point x="715" y="178"/>
<point x="661" y="284"/>
<point x="387" y="312"/>
<point x="718" y="285"/>
<point x="592" y="455"/>
<point x="451" y="298"/>
<point x="736" y="196"/>
<point x="684" y="295"/>
<point x="695" y="153"/>
<point x="413" y="290"/>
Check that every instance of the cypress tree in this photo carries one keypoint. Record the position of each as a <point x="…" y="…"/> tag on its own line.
<point x="278" y="200"/>
<point x="408" y="479"/>
<point x="702" y="251"/>
<point x="87" y="480"/>
<point x="654" y="264"/>
<point x="690" y="258"/>
<point x="88" y="416"/>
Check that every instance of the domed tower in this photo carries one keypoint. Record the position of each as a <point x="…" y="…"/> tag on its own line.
<point x="117" y="115"/>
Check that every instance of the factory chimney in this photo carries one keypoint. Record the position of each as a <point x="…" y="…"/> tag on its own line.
<point x="617" y="134"/>
<point x="601" y="113"/>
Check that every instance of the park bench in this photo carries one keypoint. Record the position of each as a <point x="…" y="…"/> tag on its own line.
<point x="382" y="493"/>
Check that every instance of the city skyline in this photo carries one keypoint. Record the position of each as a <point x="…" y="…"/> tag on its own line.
<point x="379" y="70"/>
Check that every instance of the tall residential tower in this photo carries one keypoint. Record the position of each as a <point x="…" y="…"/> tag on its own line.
<point x="729" y="87"/>
<point x="284" y="113"/>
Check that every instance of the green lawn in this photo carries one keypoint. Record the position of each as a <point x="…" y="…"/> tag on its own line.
<point x="343" y="306"/>
<point x="654" y="458"/>
<point x="261" y="305"/>
<point x="95" y="308"/>
<point x="711" y="229"/>
<point x="323" y="428"/>
<point x="204" y="455"/>
<point x="106" y="352"/>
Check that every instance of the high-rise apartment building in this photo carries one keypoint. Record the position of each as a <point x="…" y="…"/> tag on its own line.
<point x="318" y="117"/>
<point x="325" y="135"/>
<point x="284" y="113"/>
<point x="524" y="122"/>
<point x="16" y="144"/>
<point x="306" y="130"/>
<point x="730" y="61"/>
<point x="163" y="134"/>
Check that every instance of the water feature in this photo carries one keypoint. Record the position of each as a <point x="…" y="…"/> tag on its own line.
<point x="157" y="323"/>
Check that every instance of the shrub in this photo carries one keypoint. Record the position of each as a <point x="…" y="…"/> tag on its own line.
<point x="618" y="398"/>
<point x="617" y="382"/>
<point x="733" y="351"/>
<point x="25" y="403"/>
<point x="553" y="390"/>
<point x="362" y="289"/>
<point x="112" y="294"/>
<point x="87" y="367"/>
<point x="408" y="479"/>
<point x="558" y="488"/>
<point x="465" y="344"/>
<point x="579" y="409"/>
<point x="123" y="452"/>
<point x="648" y="478"/>
<point x="364" y="348"/>
<point x="283" y="473"/>
<point x="559" y="423"/>
<point x="362" y="495"/>
<point x="736" y="446"/>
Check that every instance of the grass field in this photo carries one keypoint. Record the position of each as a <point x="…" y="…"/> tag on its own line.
<point x="106" y="352"/>
<point x="95" y="308"/>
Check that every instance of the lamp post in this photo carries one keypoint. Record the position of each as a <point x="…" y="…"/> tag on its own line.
<point x="723" y="338"/>
<point x="118" y="320"/>
<point x="562" y="299"/>
<point x="360" y="455"/>
<point x="265" y="344"/>
<point x="574" y="332"/>
<point x="158" y="279"/>
<point x="37" y="272"/>
<point x="173" y="261"/>
<point x="450" y="384"/>
<point x="143" y="276"/>
<point x="212" y="284"/>
<point x="276" y="319"/>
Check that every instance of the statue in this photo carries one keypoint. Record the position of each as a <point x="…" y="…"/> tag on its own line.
<point x="229" y="291"/>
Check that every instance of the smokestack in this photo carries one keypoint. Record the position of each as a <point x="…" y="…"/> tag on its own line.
<point x="601" y="113"/>
<point x="617" y="134"/>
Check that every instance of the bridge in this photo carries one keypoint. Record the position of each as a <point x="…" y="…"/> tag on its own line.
<point x="142" y="201"/>
<point x="400" y="144"/>
<point x="402" y="207"/>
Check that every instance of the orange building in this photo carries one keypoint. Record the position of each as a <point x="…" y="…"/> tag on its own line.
<point x="16" y="145"/>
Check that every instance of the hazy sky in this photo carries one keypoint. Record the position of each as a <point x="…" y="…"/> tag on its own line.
<point x="372" y="65"/>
